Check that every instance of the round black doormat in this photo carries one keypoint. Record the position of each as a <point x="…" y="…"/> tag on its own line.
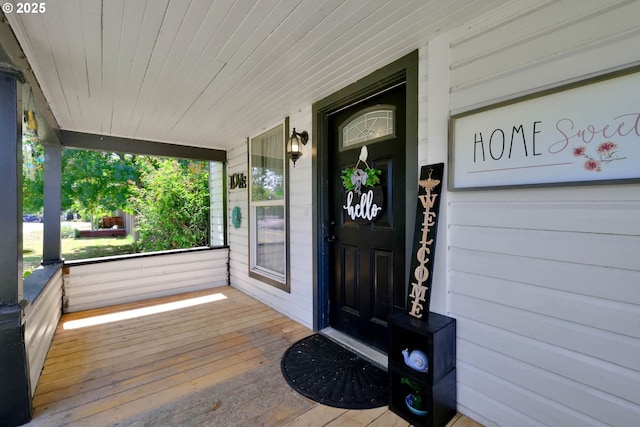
<point x="325" y="372"/>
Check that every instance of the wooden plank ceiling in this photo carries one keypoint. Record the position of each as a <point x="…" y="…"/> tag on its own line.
<point x="211" y="72"/>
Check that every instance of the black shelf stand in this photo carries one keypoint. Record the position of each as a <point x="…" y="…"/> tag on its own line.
<point x="435" y="336"/>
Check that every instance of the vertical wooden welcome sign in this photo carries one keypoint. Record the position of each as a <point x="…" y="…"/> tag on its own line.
<point x="424" y="240"/>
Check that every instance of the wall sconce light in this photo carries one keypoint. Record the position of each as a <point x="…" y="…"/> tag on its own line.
<point x="295" y="149"/>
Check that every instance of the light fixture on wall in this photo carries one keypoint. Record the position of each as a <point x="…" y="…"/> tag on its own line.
<point x="294" y="148"/>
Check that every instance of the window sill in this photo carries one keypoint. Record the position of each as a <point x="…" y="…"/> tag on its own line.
<point x="270" y="281"/>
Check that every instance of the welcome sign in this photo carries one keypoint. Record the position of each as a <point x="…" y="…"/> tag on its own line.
<point x="579" y="133"/>
<point x="424" y="245"/>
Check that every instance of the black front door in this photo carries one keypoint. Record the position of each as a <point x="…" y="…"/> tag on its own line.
<point x="367" y="261"/>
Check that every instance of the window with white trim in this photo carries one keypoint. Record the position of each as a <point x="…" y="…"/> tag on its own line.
<point x="267" y="205"/>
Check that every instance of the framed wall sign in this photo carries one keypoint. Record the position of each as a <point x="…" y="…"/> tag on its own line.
<point x="587" y="132"/>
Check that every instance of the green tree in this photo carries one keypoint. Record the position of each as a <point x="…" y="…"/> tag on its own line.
<point x="32" y="174"/>
<point x="171" y="204"/>
<point x="97" y="182"/>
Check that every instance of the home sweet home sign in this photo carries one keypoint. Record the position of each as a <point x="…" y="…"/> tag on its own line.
<point x="584" y="133"/>
<point x="424" y="245"/>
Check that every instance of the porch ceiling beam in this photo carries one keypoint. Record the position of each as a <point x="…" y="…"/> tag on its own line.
<point x="90" y="141"/>
<point x="12" y="54"/>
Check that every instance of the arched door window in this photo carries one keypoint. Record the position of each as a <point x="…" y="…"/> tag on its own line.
<point x="372" y="124"/>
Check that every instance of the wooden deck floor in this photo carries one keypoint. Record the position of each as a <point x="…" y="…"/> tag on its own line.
<point x="215" y="363"/>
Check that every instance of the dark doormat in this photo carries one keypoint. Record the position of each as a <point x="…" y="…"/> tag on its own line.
<point x="325" y="372"/>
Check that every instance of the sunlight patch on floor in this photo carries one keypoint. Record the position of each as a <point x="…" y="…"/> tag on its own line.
<point x="140" y="312"/>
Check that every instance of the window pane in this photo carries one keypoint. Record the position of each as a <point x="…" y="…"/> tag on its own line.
<point x="270" y="238"/>
<point x="267" y="166"/>
<point x="368" y="126"/>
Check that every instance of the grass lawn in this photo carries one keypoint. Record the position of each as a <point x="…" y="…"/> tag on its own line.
<point x="73" y="248"/>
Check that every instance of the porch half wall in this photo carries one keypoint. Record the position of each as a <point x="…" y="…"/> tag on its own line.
<point x="41" y="320"/>
<point x="105" y="283"/>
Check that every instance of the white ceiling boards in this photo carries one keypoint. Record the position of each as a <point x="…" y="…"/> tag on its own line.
<point x="210" y="73"/>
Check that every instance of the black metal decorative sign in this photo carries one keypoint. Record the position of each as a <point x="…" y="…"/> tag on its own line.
<point x="424" y="241"/>
<point x="363" y="200"/>
<point x="237" y="180"/>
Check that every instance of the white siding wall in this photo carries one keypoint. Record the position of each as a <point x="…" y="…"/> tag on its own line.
<point x="41" y="321"/>
<point x="433" y="114"/>
<point x="545" y="283"/>
<point x="125" y="280"/>
<point x="298" y="303"/>
<point x="216" y="186"/>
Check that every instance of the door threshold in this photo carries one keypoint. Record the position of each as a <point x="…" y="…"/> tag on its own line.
<point x="368" y="353"/>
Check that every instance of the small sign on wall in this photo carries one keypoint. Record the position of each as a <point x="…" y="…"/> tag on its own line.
<point x="424" y="240"/>
<point x="582" y="133"/>
<point x="237" y="180"/>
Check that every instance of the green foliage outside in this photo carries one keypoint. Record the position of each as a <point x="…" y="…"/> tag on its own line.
<point x="266" y="184"/>
<point x="171" y="205"/>
<point x="169" y="197"/>
<point x="74" y="248"/>
<point x="68" y="232"/>
<point x="32" y="174"/>
<point x="97" y="183"/>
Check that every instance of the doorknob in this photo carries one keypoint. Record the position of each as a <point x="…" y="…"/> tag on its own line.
<point x="331" y="237"/>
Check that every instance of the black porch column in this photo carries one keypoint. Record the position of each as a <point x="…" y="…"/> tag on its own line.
<point x="52" y="251"/>
<point x="15" y="394"/>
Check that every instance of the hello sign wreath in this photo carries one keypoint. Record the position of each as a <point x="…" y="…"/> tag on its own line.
<point x="364" y="199"/>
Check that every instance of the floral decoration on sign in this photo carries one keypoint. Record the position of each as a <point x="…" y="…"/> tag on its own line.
<point x="353" y="179"/>
<point x="607" y="153"/>
<point x="363" y="199"/>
